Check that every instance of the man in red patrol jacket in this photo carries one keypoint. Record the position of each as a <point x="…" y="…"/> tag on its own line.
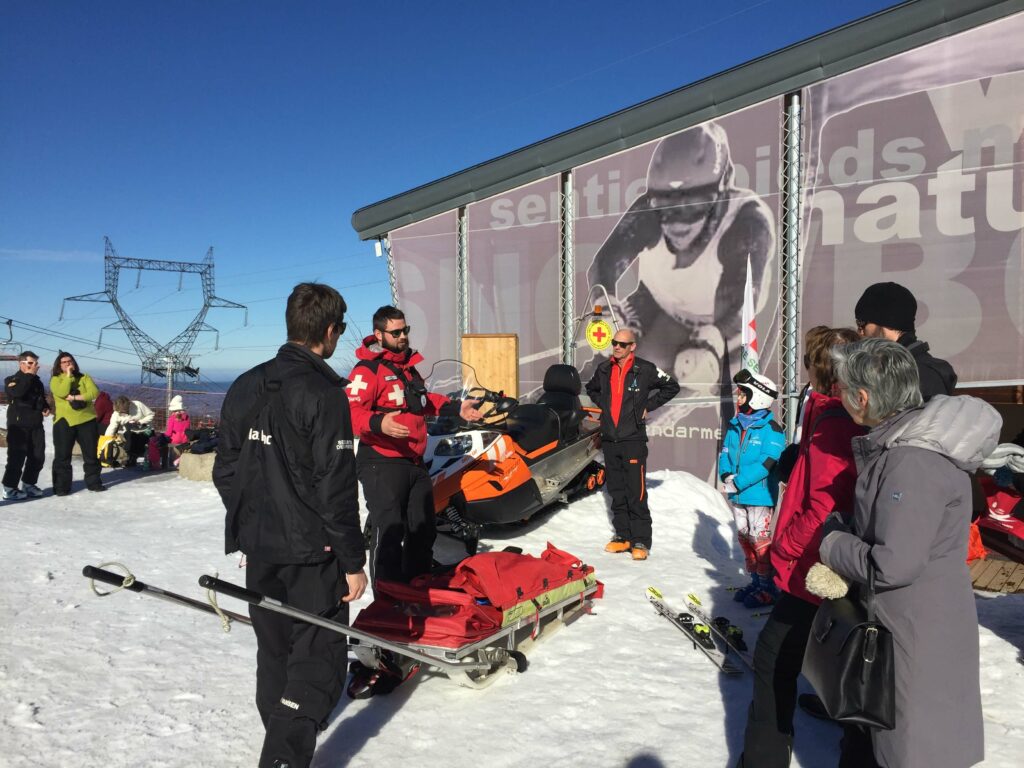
<point x="389" y="403"/>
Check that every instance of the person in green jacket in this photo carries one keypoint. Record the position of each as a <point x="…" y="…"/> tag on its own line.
<point x="74" y="421"/>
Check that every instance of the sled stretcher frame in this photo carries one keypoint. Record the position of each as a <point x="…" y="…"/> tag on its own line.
<point x="473" y="665"/>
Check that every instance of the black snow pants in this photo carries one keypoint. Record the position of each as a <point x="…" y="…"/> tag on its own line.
<point x="300" y="668"/>
<point x="401" y="504"/>
<point x="778" y="659"/>
<point x="625" y="472"/>
<point x="26" y="450"/>
<point x="87" y="435"/>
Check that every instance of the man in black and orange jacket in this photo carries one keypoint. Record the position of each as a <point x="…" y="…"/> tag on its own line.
<point x="389" y="403"/>
<point x="626" y="388"/>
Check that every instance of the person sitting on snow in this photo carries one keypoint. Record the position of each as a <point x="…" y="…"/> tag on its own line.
<point x="750" y="450"/>
<point x="134" y="420"/>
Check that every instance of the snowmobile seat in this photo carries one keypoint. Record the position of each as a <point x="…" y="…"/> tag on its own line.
<point x="562" y="389"/>
<point x="532" y="426"/>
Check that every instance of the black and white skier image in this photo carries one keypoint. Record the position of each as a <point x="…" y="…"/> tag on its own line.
<point x="691" y="234"/>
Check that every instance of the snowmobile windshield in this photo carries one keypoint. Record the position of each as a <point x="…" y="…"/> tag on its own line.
<point x="459" y="381"/>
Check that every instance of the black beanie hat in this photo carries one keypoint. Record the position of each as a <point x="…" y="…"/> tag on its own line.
<point x="889" y="305"/>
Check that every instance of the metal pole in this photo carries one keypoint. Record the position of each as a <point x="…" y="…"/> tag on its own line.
<point x="170" y="382"/>
<point x="567" y="271"/>
<point x="462" y="281"/>
<point x="392" y="275"/>
<point x="792" y="209"/>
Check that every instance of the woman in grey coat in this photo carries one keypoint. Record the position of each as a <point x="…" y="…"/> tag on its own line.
<point x="910" y="524"/>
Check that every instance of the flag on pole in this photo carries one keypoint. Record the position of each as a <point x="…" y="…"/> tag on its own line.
<point x="748" y="353"/>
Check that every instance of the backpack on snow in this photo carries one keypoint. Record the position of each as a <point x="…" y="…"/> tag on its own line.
<point x="112" y="451"/>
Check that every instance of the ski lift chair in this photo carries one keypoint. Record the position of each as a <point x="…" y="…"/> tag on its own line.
<point x="562" y="389"/>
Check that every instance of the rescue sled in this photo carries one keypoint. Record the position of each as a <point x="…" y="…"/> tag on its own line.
<point x="521" y="458"/>
<point x="475" y="619"/>
<point x="472" y="622"/>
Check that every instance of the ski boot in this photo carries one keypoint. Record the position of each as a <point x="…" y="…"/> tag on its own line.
<point x="742" y="593"/>
<point x="701" y="633"/>
<point x="617" y="545"/>
<point x="765" y="595"/>
<point x="369" y="681"/>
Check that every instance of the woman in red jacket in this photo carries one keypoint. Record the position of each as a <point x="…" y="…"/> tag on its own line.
<point x="822" y="480"/>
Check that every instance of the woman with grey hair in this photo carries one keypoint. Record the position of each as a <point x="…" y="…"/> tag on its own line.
<point x="910" y="523"/>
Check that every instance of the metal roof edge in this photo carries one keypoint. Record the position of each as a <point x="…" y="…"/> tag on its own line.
<point x="843" y="49"/>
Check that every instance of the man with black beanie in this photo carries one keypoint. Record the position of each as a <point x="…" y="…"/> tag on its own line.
<point x="888" y="311"/>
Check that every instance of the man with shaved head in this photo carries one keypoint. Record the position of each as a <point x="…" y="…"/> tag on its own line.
<point x="626" y="388"/>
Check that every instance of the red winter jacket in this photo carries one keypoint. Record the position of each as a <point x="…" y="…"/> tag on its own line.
<point x="374" y="390"/>
<point x="822" y="480"/>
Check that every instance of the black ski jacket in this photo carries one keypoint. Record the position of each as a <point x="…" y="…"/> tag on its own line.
<point x="646" y="387"/>
<point x="937" y="376"/>
<point x="26" y="400"/>
<point x="285" y="465"/>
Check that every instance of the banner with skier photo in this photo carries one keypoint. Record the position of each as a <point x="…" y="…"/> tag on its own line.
<point x="667" y="230"/>
<point x="914" y="176"/>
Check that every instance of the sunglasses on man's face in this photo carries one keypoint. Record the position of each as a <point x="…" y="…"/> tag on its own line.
<point x="622" y="344"/>
<point x="399" y="332"/>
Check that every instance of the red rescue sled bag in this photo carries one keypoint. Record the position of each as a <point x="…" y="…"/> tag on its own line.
<point x="475" y="599"/>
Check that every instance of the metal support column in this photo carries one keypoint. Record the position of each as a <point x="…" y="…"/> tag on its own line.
<point x="789" y="272"/>
<point x="567" y="270"/>
<point x="385" y="243"/>
<point x="462" y="281"/>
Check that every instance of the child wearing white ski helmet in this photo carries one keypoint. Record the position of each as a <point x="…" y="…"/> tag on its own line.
<point x="750" y="451"/>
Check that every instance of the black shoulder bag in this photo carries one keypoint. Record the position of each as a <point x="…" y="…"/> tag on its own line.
<point x="849" y="661"/>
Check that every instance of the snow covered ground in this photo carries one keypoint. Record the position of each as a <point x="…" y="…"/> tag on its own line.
<point x="127" y="680"/>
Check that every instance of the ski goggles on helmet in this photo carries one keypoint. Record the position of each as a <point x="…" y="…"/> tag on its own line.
<point x="684" y="206"/>
<point x="744" y="378"/>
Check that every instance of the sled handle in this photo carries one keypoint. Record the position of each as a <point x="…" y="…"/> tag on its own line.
<point x="231" y="590"/>
<point x="111" y="578"/>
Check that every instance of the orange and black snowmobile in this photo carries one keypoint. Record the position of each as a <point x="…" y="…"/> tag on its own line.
<point x="522" y="458"/>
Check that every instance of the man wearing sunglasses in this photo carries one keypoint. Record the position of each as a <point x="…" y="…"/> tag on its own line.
<point x="285" y="470"/>
<point x="390" y="403"/>
<point x="26" y="440"/>
<point x="691" y="235"/>
<point x="626" y="388"/>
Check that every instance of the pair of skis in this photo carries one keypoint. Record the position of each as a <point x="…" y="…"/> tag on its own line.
<point x="715" y="638"/>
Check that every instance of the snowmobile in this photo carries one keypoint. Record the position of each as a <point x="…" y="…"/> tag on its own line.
<point x="521" y="458"/>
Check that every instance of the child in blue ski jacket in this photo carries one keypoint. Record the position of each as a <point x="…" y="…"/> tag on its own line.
<point x="750" y="450"/>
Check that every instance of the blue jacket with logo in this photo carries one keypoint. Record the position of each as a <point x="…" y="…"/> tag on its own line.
<point x="749" y="455"/>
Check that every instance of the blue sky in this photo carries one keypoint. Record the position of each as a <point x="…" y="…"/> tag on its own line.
<point x="259" y="127"/>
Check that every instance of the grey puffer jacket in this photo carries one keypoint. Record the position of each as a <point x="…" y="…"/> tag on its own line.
<point x="910" y="525"/>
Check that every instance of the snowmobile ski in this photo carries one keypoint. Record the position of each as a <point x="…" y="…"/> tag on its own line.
<point x="699" y="634"/>
<point x="729" y="633"/>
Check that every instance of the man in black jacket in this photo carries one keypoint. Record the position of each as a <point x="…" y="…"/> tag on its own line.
<point x="888" y="311"/>
<point x="26" y="440"/>
<point x="286" y="471"/>
<point x="626" y="388"/>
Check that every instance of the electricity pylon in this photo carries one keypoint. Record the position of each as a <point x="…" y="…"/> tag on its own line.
<point x="172" y="360"/>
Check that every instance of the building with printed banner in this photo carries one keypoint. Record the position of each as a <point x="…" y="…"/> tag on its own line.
<point x="889" y="149"/>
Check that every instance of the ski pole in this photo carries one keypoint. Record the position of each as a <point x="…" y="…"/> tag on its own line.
<point x="255" y="598"/>
<point x="133" y="585"/>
